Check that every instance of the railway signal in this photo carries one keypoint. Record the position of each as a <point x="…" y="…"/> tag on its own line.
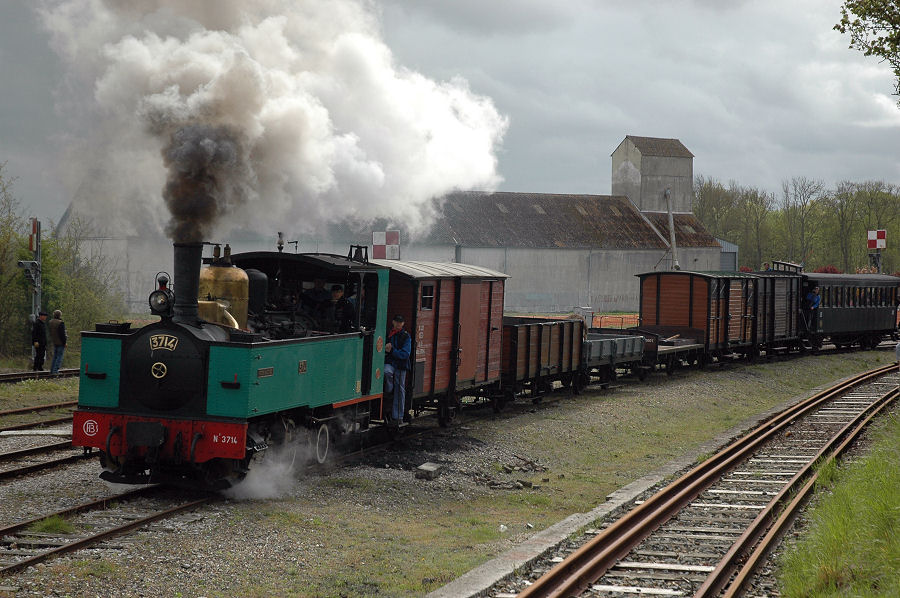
<point x="32" y="268"/>
<point x="876" y="241"/>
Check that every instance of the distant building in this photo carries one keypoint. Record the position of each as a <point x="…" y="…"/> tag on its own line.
<point x="644" y="167"/>
<point x="729" y="256"/>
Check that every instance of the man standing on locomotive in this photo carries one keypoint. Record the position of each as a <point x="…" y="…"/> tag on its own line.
<point x="396" y="363"/>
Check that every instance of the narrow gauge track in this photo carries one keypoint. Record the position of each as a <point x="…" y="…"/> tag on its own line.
<point x="37" y="408"/>
<point x="37" y="424"/>
<point x="21" y="469"/>
<point x="701" y="534"/>
<point x="97" y="521"/>
<point x="20" y="376"/>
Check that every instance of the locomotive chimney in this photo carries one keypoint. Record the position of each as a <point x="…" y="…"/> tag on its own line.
<point x="188" y="257"/>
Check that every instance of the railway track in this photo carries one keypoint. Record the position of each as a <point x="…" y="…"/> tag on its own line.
<point x="93" y="523"/>
<point x="31" y="466"/>
<point x="705" y="533"/>
<point x="14" y="377"/>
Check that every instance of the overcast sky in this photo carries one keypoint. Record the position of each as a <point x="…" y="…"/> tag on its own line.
<point x="759" y="91"/>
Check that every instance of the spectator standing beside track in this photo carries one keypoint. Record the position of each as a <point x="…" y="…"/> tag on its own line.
<point x="39" y="340"/>
<point x="59" y="338"/>
<point x="396" y="363"/>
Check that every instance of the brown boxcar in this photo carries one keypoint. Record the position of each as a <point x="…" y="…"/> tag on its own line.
<point x="454" y="314"/>
<point x="778" y="302"/>
<point x="538" y="351"/>
<point x="717" y="306"/>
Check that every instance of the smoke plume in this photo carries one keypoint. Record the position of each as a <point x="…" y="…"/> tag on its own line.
<point x="265" y="113"/>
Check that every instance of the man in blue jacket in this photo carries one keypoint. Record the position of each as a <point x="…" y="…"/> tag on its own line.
<point x="396" y="364"/>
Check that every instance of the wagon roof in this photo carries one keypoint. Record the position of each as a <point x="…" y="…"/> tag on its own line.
<point x="706" y="274"/>
<point x="858" y="279"/>
<point x="329" y="260"/>
<point x="425" y="270"/>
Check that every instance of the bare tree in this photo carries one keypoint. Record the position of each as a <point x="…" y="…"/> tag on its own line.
<point x="800" y="202"/>
<point x="844" y="216"/>
<point x="755" y="206"/>
<point x="715" y="206"/>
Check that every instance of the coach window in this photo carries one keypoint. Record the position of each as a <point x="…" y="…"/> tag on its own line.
<point x="826" y="297"/>
<point x="428" y="296"/>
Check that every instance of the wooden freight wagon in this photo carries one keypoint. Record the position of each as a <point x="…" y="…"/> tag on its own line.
<point x="454" y="314"/>
<point x="539" y="351"/>
<point x="717" y="306"/>
<point x="778" y="317"/>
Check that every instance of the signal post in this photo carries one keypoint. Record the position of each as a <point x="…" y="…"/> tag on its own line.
<point x="32" y="270"/>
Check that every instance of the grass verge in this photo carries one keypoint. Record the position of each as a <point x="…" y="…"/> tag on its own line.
<point x="853" y="546"/>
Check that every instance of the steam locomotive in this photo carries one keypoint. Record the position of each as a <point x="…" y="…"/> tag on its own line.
<point x="242" y="359"/>
<point x="216" y="381"/>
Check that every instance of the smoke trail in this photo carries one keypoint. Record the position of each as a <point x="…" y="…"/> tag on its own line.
<point x="266" y="112"/>
<point x="200" y="159"/>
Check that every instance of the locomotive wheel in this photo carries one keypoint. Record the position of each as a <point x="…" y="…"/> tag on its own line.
<point x="321" y="439"/>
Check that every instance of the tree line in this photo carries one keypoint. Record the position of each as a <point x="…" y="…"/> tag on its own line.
<point x="805" y="222"/>
<point x="77" y="278"/>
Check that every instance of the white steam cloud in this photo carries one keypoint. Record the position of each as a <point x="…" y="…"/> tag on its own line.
<point x="317" y="121"/>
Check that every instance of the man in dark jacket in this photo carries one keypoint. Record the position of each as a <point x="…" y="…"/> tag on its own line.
<point x="39" y="341"/>
<point x="396" y="364"/>
<point x="337" y="314"/>
<point x="58" y="338"/>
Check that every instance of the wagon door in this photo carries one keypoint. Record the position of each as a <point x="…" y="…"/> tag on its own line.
<point x="469" y="324"/>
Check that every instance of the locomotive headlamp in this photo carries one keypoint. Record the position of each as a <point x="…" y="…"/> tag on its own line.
<point x="159" y="301"/>
<point x="162" y="299"/>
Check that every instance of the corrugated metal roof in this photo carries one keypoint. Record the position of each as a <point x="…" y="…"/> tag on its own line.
<point x="417" y="269"/>
<point x="542" y="220"/>
<point x="689" y="231"/>
<point x="657" y="146"/>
